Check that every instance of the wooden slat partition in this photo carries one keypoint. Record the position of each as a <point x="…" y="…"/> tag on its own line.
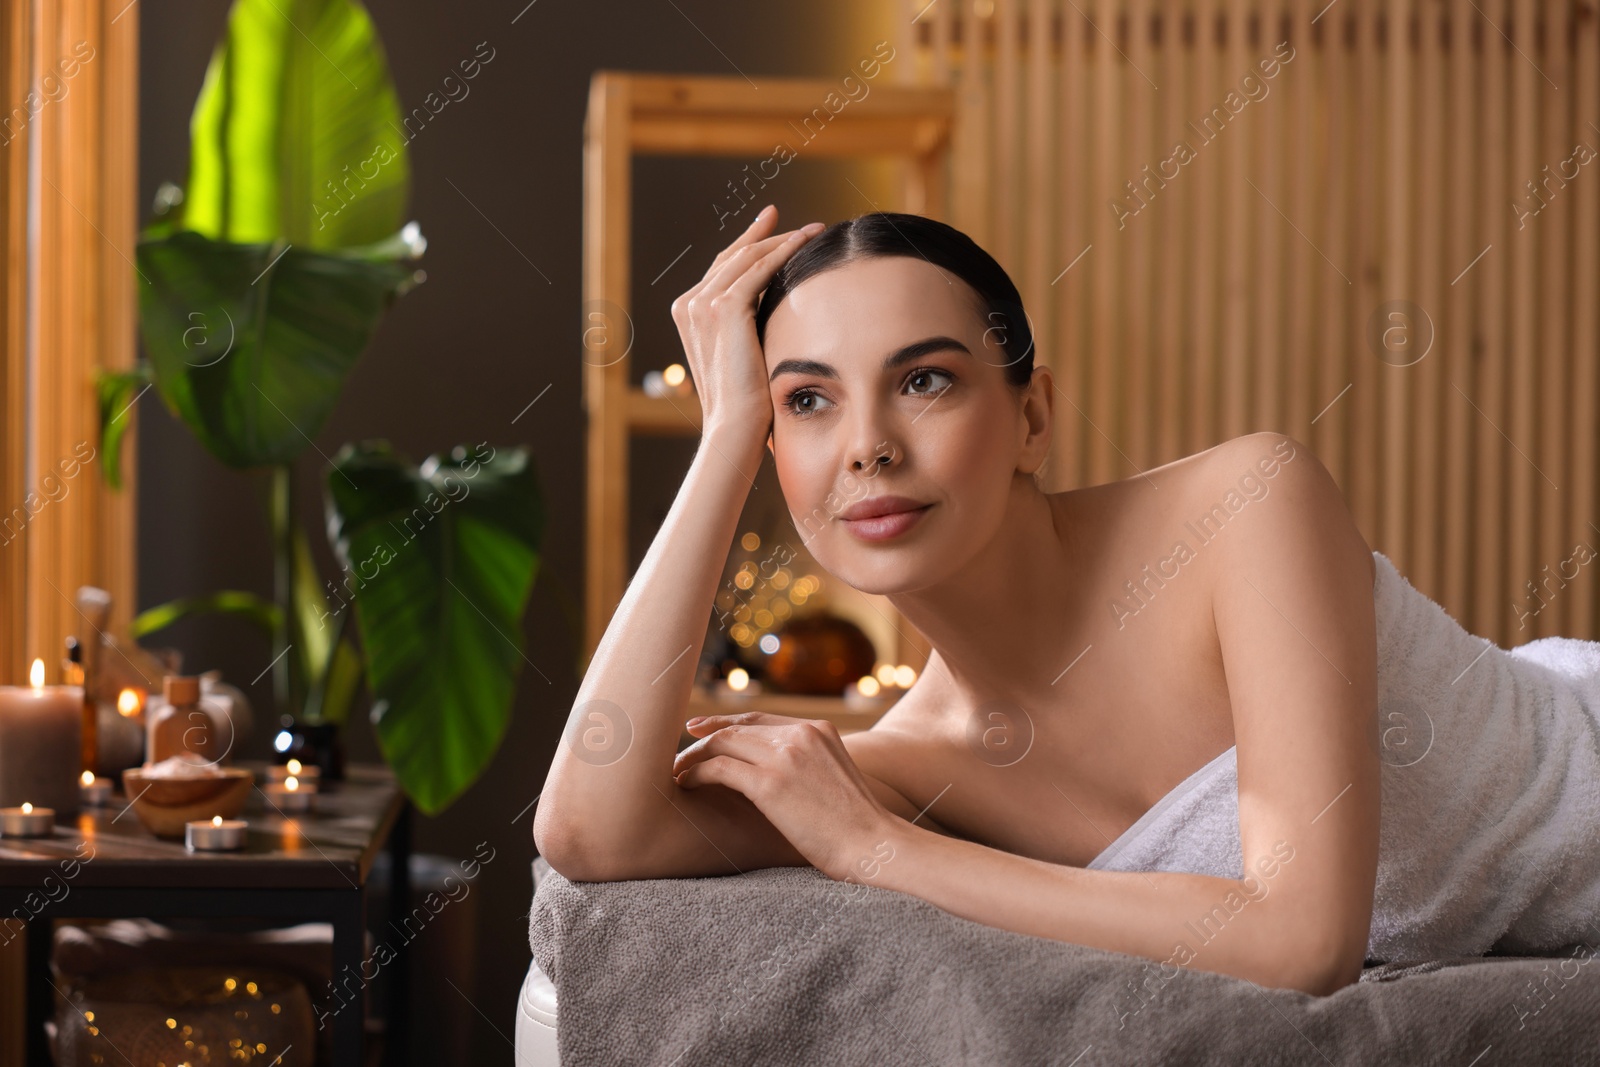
<point x="1415" y="151"/>
<point x="68" y="163"/>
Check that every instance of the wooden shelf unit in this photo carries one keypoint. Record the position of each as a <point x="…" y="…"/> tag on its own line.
<point x="651" y="114"/>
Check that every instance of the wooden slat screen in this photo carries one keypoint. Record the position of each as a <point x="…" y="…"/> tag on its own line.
<point x="1432" y="152"/>
<point x="68" y="178"/>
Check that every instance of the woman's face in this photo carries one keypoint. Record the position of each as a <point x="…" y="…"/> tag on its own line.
<point x="892" y="356"/>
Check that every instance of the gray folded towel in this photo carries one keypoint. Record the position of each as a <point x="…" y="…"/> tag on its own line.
<point x="786" y="966"/>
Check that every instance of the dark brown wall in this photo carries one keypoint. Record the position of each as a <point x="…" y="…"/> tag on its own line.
<point x="458" y="358"/>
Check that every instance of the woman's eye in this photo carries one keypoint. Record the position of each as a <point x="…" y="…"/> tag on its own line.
<point x="926" y="382"/>
<point x="803" y="402"/>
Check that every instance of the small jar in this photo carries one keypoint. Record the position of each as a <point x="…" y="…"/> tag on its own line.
<point x="182" y="724"/>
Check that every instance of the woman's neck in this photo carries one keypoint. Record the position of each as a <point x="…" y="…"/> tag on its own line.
<point x="998" y="624"/>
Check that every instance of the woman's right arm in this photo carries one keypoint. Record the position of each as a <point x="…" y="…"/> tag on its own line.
<point x="610" y="808"/>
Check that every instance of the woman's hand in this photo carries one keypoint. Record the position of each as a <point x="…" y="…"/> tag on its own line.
<point x="717" y="322"/>
<point x="803" y="779"/>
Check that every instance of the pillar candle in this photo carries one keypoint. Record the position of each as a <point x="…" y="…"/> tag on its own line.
<point x="40" y="738"/>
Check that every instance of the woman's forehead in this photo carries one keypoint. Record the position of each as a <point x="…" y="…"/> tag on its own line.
<point x="873" y="302"/>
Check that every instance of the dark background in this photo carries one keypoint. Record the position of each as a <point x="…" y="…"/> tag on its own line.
<point x="461" y="356"/>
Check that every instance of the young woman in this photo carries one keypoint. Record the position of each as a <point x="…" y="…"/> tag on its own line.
<point x="1149" y="722"/>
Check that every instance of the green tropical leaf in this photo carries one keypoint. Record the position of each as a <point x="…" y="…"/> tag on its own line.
<point x="330" y="701"/>
<point x="312" y="611"/>
<point x="296" y="133"/>
<point x="443" y="557"/>
<point x="116" y="391"/>
<point x="262" y="612"/>
<point x="251" y="344"/>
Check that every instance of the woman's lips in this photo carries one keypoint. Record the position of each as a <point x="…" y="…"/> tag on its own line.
<point x="884" y="527"/>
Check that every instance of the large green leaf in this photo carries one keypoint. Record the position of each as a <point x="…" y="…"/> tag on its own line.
<point x="116" y="392"/>
<point x="443" y="556"/>
<point x="251" y="344"/>
<point x="296" y="134"/>
<point x="264" y="613"/>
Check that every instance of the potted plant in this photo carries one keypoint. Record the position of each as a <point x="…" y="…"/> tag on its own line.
<point x="261" y="283"/>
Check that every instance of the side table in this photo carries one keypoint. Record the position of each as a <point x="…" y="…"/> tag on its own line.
<point x="305" y="868"/>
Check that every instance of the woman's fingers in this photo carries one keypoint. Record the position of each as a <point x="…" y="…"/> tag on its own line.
<point x="751" y="739"/>
<point x="749" y="284"/>
<point x="742" y="262"/>
<point x="734" y="773"/>
<point x="759" y="227"/>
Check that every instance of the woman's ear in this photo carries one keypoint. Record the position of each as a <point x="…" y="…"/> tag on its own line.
<point x="1038" y="416"/>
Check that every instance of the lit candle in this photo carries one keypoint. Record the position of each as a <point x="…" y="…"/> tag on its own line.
<point x="866" y="695"/>
<point x="41" y="729"/>
<point x="290" y="796"/>
<point x="674" y="381"/>
<point x="306" y="773"/>
<point x="129" y="703"/>
<point x="27" y="821"/>
<point x="218" y="835"/>
<point x="93" y="791"/>
<point x="737" y="686"/>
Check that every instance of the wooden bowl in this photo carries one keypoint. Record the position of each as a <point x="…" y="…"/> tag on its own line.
<point x="164" y="805"/>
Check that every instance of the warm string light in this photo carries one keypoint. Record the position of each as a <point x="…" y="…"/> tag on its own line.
<point x="887" y="676"/>
<point x="762" y="598"/>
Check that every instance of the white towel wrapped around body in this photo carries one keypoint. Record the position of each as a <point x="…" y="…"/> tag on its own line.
<point x="1490" y="824"/>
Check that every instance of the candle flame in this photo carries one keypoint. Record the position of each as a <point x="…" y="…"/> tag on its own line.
<point x="867" y="685"/>
<point x="87" y="778"/>
<point x="294" y="766"/>
<point x="291" y="783"/>
<point x="128" y="703"/>
<point x="738" y="679"/>
<point x="36" y="674"/>
<point x="216" y="820"/>
<point x="27" y="809"/>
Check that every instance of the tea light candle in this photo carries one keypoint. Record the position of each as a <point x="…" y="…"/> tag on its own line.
<point x="290" y="796"/>
<point x="41" y="727"/>
<point x="738" y="685"/>
<point x="93" y="791"/>
<point x="27" y="821"/>
<point x="674" y="381"/>
<point x="306" y="773"/>
<point x="865" y="695"/>
<point x="218" y="835"/>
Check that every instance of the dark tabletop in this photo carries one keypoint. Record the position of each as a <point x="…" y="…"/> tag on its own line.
<point x="332" y="847"/>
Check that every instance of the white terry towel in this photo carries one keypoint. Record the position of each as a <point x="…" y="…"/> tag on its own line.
<point x="1490" y="814"/>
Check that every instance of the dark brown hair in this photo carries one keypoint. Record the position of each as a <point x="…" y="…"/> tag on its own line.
<point x="916" y="236"/>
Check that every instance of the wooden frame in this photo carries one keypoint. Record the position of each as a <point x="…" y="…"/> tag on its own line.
<point x="641" y="114"/>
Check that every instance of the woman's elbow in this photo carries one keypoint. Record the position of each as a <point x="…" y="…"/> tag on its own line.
<point x="1320" y="968"/>
<point x="560" y="847"/>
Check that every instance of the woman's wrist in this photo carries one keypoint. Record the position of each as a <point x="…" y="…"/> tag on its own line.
<point x="740" y="443"/>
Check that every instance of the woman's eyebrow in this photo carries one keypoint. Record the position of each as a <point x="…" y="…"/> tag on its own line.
<point x="907" y="354"/>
